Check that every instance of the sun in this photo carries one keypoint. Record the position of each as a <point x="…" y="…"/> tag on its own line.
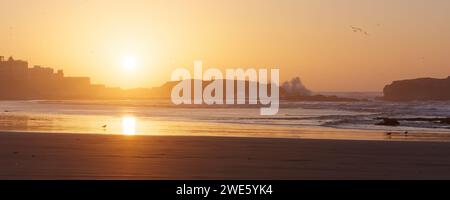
<point x="129" y="63"/>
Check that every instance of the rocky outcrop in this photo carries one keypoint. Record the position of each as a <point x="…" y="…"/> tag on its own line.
<point x="388" y="122"/>
<point x="396" y="121"/>
<point x="422" y="89"/>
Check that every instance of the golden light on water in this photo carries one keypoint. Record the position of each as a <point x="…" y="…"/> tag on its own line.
<point x="129" y="125"/>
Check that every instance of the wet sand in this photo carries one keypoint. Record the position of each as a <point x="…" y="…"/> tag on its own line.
<point x="77" y="156"/>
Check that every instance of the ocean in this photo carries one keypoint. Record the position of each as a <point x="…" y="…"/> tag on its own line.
<point x="317" y="120"/>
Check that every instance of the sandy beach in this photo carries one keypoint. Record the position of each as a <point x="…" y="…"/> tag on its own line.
<point x="78" y="156"/>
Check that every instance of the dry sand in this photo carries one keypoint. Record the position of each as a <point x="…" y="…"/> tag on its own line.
<point x="71" y="156"/>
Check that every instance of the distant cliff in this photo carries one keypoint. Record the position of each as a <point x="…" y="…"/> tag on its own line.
<point x="422" y="89"/>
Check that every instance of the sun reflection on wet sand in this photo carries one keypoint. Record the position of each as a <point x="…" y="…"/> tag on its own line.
<point x="128" y="125"/>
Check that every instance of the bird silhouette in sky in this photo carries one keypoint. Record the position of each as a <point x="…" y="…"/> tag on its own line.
<point x="359" y="30"/>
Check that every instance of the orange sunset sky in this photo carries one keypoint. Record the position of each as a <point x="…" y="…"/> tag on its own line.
<point x="312" y="39"/>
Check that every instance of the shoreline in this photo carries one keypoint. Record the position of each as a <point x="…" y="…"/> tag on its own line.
<point x="304" y="134"/>
<point x="81" y="156"/>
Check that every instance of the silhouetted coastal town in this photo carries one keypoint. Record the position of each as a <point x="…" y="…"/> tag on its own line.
<point x="18" y="81"/>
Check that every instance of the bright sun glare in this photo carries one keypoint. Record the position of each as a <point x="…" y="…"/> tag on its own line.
<point x="129" y="125"/>
<point x="129" y="63"/>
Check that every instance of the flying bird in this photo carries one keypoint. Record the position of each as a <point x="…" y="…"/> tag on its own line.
<point x="356" y="29"/>
<point x="359" y="30"/>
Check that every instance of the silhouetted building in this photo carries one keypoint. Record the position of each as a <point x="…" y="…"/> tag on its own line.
<point x="17" y="81"/>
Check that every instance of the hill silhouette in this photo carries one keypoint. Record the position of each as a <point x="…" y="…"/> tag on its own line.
<point x="421" y="89"/>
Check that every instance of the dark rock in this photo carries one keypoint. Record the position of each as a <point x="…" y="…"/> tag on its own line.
<point x="388" y="122"/>
<point x="445" y="121"/>
<point x="440" y="120"/>
<point x="422" y="89"/>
